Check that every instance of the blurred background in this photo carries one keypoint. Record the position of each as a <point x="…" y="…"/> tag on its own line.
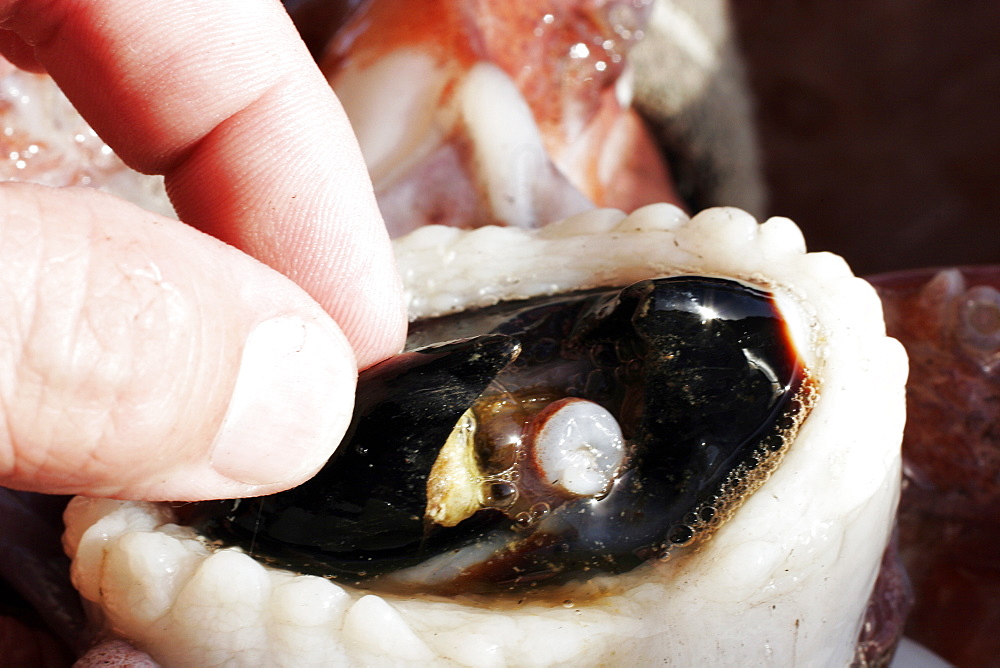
<point x="880" y="125"/>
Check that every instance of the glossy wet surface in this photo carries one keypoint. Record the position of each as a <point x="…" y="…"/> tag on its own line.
<point x="700" y="374"/>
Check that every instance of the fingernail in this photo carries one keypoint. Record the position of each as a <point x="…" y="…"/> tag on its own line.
<point x="291" y="404"/>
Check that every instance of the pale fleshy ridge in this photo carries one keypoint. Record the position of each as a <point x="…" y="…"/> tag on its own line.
<point x="784" y="583"/>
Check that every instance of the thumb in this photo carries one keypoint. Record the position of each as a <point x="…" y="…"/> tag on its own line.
<point x="140" y="358"/>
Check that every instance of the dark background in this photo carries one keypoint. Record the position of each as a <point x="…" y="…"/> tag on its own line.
<point x="880" y="125"/>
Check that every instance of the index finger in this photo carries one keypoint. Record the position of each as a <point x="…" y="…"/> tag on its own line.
<point x="223" y="99"/>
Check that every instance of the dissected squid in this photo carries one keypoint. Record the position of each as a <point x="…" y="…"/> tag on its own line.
<point x="563" y="437"/>
<point x="525" y="556"/>
<point x="613" y="439"/>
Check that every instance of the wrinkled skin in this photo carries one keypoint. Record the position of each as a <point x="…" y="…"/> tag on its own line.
<point x="578" y="125"/>
<point x="952" y="450"/>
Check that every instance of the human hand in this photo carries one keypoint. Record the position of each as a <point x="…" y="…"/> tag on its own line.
<point x="139" y="357"/>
